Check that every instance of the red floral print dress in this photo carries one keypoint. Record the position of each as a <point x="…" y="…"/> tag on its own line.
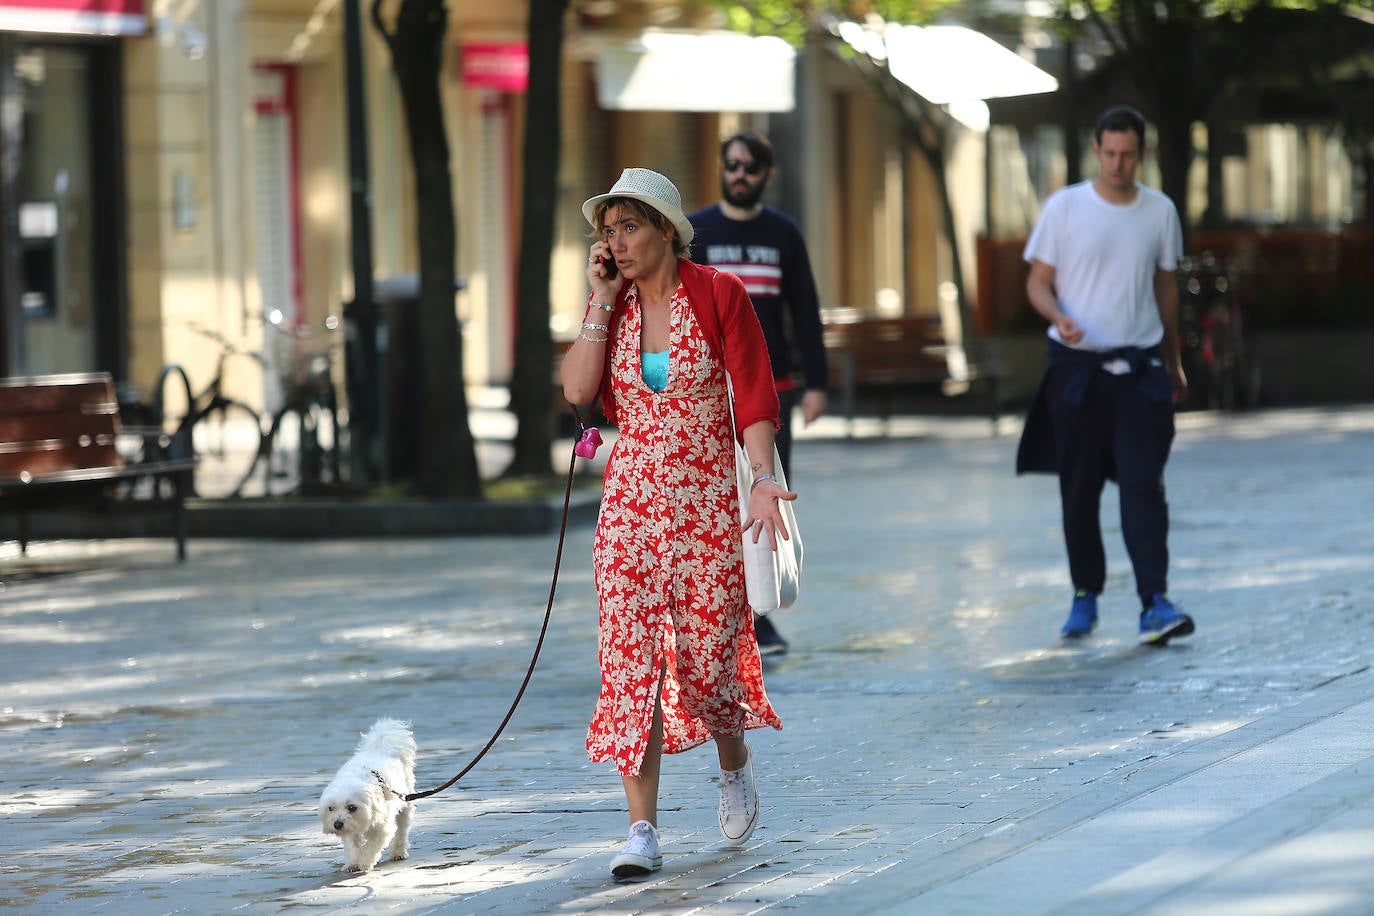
<point x="669" y="573"/>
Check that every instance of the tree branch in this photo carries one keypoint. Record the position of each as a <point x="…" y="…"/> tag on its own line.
<point x="389" y="38"/>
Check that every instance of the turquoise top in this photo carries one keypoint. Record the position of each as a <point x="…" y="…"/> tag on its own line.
<point x="654" y="368"/>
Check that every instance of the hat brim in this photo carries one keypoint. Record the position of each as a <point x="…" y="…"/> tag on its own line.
<point x="679" y="219"/>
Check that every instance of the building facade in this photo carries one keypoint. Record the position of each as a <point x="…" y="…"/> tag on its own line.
<point x="62" y="185"/>
<point x="176" y="182"/>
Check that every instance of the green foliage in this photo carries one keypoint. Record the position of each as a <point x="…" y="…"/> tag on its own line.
<point x="1138" y="18"/>
<point x="1197" y="10"/>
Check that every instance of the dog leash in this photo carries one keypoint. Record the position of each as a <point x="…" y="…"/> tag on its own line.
<point x="584" y="447"/>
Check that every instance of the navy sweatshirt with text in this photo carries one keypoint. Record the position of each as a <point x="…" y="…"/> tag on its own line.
<point x="769" y="255"/>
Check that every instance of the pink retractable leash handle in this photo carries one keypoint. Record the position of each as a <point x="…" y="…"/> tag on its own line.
<point x="587" y="445"/>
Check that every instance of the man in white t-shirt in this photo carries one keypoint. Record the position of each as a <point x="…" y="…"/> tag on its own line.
<point x="1102" y="260"/>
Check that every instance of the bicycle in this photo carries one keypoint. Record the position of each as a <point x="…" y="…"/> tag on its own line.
<point x="299" y="451"/>
<point x="1220" y="371"/>
<point x="302" y="445"/>
<point x="224" y="433"/>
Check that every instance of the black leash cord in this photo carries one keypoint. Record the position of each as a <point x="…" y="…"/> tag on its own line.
<point x="543" y="630"/>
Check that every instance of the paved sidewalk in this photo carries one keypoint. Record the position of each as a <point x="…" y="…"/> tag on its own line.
<point x="167" y="729"/>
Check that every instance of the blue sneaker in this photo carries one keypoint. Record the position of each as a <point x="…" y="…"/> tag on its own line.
<point x="1161" y="622"/>
<point x="1082" y="616"/>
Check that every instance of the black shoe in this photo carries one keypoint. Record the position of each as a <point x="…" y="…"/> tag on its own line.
<point x="770" y="641"/>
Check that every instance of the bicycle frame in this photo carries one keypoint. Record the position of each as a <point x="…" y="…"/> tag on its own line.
<point x="210" y="401"/>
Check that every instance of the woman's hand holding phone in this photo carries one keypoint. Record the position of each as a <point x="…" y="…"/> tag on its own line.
<point x="602" y="274"/>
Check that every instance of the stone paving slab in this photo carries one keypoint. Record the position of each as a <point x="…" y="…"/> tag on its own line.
<point x="1129" y="841"/>
<point x="167" y="729"/>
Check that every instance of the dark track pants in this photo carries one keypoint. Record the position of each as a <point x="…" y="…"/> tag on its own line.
<point x="1117" y="426"/>
<point x="788" y="401"/>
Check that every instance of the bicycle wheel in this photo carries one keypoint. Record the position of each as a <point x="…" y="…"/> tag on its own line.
<point x="325" y="418"/>
<point x="302" y="450"/>
<point x="282" y="449"/>
<point x="321" y="441"/>
<point x="227" y="438"/>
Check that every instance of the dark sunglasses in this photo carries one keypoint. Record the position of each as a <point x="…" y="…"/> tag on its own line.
<point x="750" y="168"/>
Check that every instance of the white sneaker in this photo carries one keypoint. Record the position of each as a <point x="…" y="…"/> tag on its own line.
<point x="640" y="855"/>
<point x="739" y="802"/>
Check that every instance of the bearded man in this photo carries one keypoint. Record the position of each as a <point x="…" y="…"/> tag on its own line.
<point x="764" y="248"/>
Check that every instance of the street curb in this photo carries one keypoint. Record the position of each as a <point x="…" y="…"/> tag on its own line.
<point x="419" y="519"/>
<point x="323" y="519"/>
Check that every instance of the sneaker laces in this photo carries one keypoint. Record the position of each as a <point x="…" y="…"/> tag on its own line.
<point x="736" y="793"/>
<point x="642" y="840"/>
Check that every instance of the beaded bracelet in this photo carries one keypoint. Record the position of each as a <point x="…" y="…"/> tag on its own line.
<point x="596" y="304"/>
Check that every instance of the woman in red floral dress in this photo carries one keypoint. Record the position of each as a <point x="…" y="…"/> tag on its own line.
<point x="679" y="661"/>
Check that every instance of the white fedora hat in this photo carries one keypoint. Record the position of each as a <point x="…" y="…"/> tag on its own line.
<point x="651" y="188"/>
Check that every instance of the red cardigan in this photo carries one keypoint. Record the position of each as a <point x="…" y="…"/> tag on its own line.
<point x="721" y="305"/>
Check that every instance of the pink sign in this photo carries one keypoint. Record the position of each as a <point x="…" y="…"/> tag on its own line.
<point x="89" y="17"/>
<point x="92" y="6"/>
<point x="504" y="67"/>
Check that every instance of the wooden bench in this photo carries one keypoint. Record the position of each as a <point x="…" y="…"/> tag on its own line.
<point x="58" y="438"/>
<point x="880" y="358"/>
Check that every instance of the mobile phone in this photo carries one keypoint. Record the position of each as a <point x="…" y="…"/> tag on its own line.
<point x="609" y="265"/>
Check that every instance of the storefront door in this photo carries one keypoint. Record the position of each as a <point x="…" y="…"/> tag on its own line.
<point x="60" y="314"/>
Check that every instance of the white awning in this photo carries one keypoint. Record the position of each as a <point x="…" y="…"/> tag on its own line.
<point x="695" y="71"/>
<point x="950" y="64"/>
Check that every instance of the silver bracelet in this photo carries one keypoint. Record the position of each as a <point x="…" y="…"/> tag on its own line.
<point x="600" y="306"/>
<point x="593" y="326"/>
<point x="598" y="340"/>
<point x="760" y="479"/>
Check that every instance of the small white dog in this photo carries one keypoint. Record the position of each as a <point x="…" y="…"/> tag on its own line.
<point x="365" y="805"/>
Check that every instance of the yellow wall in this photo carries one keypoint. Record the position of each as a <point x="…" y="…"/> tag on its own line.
<point x="196" y="117"/>
<point x="180" y="277"/>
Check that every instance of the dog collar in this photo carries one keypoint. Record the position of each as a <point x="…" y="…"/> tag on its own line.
<point x="386" y="788"/>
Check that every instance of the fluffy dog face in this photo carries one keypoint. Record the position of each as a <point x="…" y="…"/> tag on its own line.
<point x="348" y="808"/>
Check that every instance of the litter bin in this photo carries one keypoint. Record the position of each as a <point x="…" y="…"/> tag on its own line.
<point x="400" y="373"/>
<point x="398" y="321"/>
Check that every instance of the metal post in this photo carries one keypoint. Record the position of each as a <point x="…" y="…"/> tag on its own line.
<point x="363" y="394"/>
<point x="12" y="350"/>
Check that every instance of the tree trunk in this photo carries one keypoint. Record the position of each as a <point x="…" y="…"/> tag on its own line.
<point x="532" y="385"/>
<point x="934" y="154"/>
<point x="448" y="459"/>
<point x="1368" y="160"/>
<point x="1069" y="116"/>
<point x="1176" y="91"/>
<point x="1215" y="214"/>
<point x="1173" y="127"/>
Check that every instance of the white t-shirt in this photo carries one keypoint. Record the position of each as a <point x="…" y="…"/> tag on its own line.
<point x="1105" y="256"/>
